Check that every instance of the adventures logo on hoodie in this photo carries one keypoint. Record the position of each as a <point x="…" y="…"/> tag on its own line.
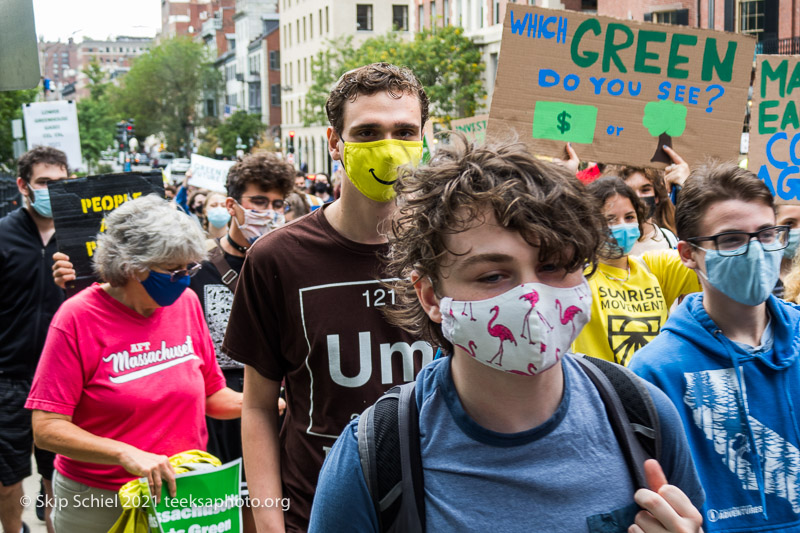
<point x="715" y="398"/>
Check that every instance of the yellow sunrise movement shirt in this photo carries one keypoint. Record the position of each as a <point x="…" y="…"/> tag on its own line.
<point x="629" y="310"/>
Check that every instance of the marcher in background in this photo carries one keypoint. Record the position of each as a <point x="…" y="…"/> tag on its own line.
<point x="788" y="215"/>
<point x="128" y="371"/>
<point x="215" y="215"/>
<point x="322" y="188"/>
<point x="196" y="201"/>
<point x="513" y="435"/>
<point x="296" y="206"/>
<point x="631" y="296"/>
<point x="257" y="186"/>
<point x="728" y="357"/>
<point x="28" y="301"/>
<point x="307" y="309"/>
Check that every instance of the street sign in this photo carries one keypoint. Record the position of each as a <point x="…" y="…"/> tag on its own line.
<point x="54" y="124"/>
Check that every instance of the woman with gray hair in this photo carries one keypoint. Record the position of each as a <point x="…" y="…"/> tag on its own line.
<point x="128" y="371"/>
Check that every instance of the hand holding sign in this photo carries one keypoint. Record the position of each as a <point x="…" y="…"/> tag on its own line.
<point x="63" y="270"/>
<point x="666" y="507"/>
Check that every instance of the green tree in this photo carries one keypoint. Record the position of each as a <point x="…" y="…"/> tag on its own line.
<point x="11" y="103"/>
<point x="447" y="63"/>
<point x="96" y="119"/>
<point x="243" y="125"/>
<point x="164" y="89"/>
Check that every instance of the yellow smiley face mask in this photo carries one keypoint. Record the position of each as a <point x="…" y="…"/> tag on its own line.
<point x="372" y="166"/>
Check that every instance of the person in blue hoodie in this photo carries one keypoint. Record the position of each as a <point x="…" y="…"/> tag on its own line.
<point x="728" y="356"/>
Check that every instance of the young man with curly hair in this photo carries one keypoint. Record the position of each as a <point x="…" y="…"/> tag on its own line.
<point x="488" y="251"/>
<point x="307" y="310"/>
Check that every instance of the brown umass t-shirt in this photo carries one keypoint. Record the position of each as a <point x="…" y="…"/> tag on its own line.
<point x="308" y="309"/>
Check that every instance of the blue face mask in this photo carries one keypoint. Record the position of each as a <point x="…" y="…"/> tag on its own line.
<point x="218" y="217"/>
<point x="791" y="247"/>
<point x="41" y="202"/>
<point x="748" y="278"/>
<point x="163" y="291"/>
<point x="626" y="236"/>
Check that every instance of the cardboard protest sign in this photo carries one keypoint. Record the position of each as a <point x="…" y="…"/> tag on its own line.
<point x="619" y="90"/>
<point x="210" y="173"/>
<point x="775" y="126"/>
<point x="473" y="127"/>
<point x="206" y="501"/>
<point x="54" y="124"/>
<point x="79" y="209"/>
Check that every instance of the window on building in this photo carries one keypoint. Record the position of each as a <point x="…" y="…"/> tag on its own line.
<point x="254" y="97"/>
<point x="482" y="19"/>
<point x="420" y="18"/>
<point x="305" y="30"/>
<point x="751" y="17"/>
<point x="274" y="60"/>
<point x="446" y="13"/>
<point x="231" y="44"/>
<point x="676" y="16"/>
<point x="400" y="17"/>
<point x="496" y="10"/>
<point x="298" y="30"/>
<point x="364" y="17"/>
<point x="305" y="69"/>
<point x="327" y="21"/>
<point x="311" y="25"/>
<point x="275" y="95"/>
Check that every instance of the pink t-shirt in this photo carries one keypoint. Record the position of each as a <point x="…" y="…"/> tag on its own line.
<point x="120" y="375"/>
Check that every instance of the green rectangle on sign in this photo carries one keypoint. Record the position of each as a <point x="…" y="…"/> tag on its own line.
<point x="561" y="121"/>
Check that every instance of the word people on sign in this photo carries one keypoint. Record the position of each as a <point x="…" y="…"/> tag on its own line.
<point x="596" y="82"/>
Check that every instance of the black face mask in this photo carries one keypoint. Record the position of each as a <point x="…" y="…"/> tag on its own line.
<point x="320" y="188"/>
<point x="650" y="203"/>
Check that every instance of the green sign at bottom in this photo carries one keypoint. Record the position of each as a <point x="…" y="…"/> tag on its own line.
<point x="207" y="501"/>
<point x="560" y="121"/>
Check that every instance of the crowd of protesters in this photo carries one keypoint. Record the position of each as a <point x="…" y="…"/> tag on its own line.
<point x="481" y="279"/>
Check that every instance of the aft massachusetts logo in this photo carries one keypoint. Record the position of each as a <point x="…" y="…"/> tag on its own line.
<point x="141" y="360"/>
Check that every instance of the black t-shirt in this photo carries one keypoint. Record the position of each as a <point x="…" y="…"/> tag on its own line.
<point x="308" y="310"/>
<point x="216" y="300"/>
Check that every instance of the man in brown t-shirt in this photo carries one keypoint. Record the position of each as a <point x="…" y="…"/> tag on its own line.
<point x="308" y="305"/>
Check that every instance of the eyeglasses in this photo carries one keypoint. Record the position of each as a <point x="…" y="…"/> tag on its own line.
<point x="262" y="202"/>
<point x="175" y="275"/>
<point x="730" y="243"/>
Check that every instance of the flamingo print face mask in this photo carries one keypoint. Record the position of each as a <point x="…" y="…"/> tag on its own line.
<point x="523" y="331"/>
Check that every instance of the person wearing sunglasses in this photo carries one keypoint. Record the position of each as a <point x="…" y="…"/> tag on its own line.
<point x="728" y="357"/>
<point x="128" y="371"/>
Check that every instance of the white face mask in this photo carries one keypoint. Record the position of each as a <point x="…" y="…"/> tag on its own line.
<point x="257" y="223"/>
<point x="522" y="331"/>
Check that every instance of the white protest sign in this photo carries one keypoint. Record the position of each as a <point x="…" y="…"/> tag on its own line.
<point x="54" y="124"/>
<point x="209" y="173"/>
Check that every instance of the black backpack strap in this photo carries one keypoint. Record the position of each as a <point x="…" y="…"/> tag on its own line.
<point x="631" y="412"/>
<point x="389" y="451"/>
<point x="217" y="258"/>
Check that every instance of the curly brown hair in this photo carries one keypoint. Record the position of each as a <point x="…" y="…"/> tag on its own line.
<point x="368" y="80"/>
<point x="544" y="202"/>
<point x="604" y="188"/>
<point x="265" y="169"/>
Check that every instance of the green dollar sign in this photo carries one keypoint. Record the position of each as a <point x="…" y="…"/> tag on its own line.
<point x="563" y="125"/>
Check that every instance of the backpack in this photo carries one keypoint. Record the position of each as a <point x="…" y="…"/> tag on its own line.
<point x="389" y="444"/>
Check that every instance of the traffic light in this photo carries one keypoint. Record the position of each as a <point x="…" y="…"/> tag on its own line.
<point x="130" y="128"/>
<point x="120" y="136"/>
<point x="291" y="142"/>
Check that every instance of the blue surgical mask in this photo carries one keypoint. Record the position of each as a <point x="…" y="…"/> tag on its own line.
<point x="791" y="247"/>
<point x="626" y="236"/>
<point x="41" y="202"/>
<point x="748" y="278"/>
<point x="218" y="217"/>
<point x="162" y="290"/>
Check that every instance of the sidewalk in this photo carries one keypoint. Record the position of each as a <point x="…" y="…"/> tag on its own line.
<point x="31" y="487"/>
